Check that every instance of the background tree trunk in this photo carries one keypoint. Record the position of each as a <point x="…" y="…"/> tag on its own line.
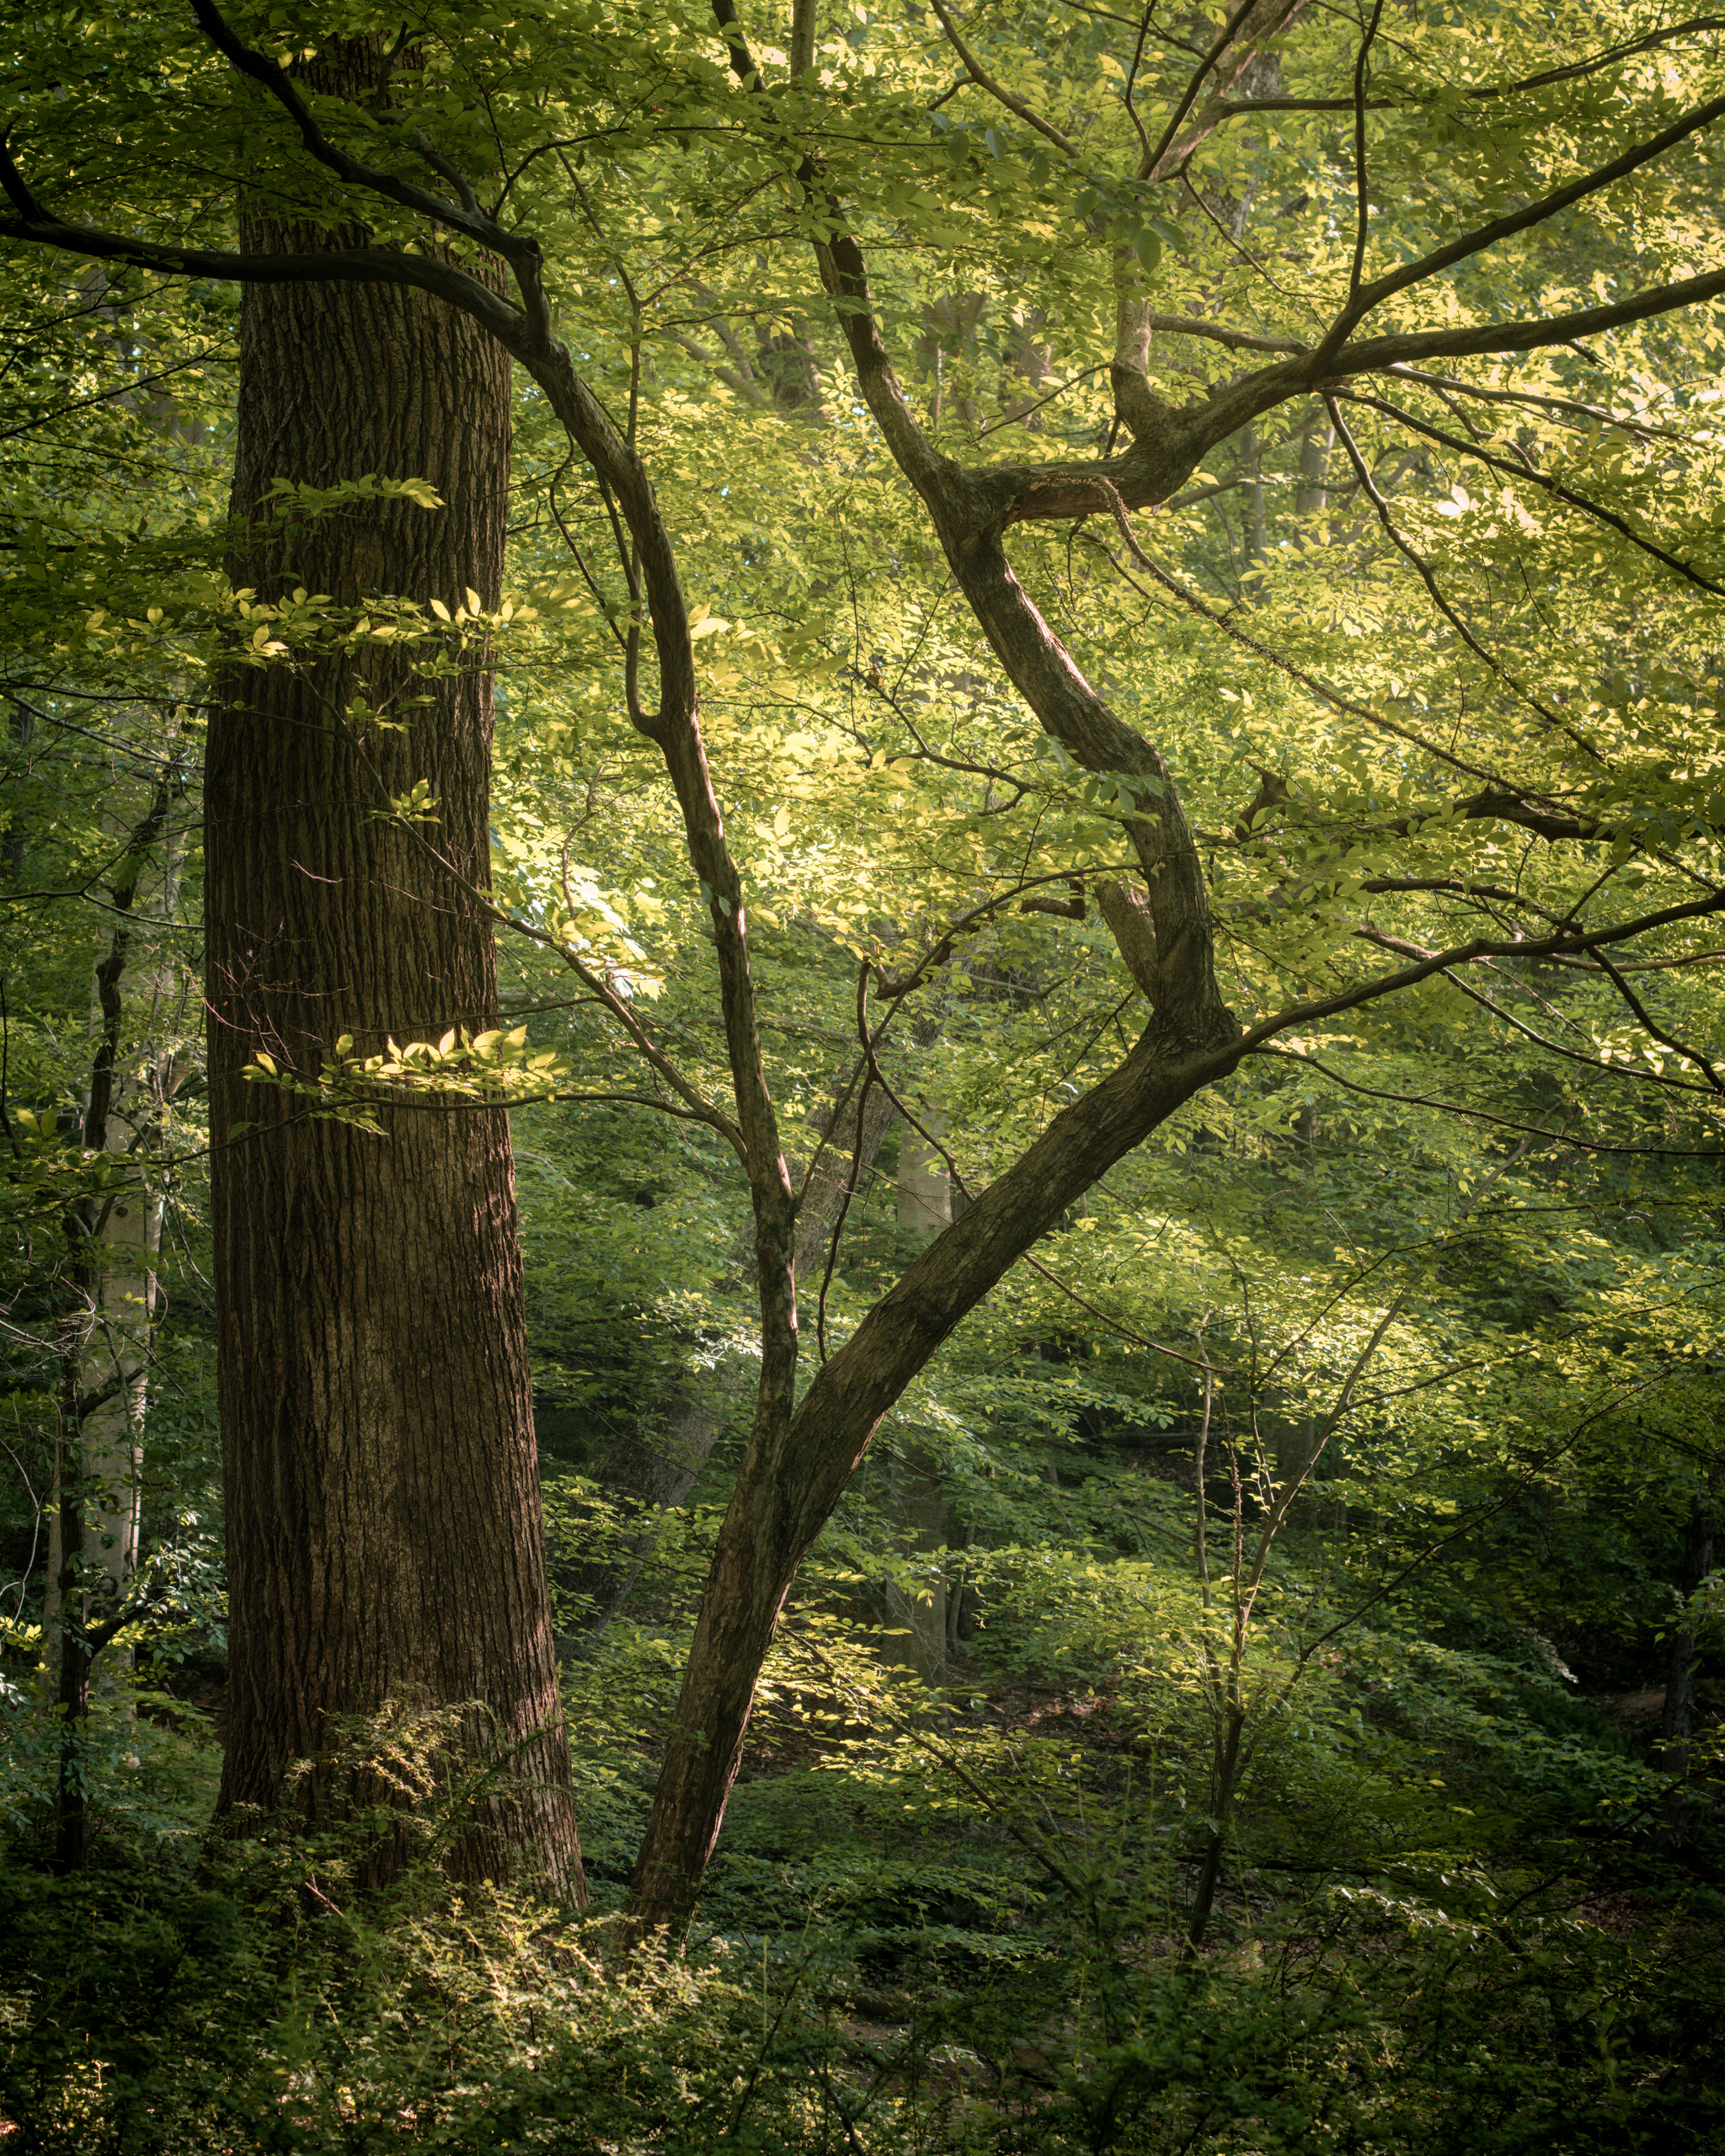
<point x="916" y="1629"/>
<point x="1675" y="1721"/>
<point x="924" y="1188"/>
<point x="384" y="1535"/>
<point x="645" y="1477"/>
<point x="650" y="1477"/>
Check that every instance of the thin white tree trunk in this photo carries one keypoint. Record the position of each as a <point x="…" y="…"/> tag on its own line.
<point x="117" y="1352"/>
<point x="108" y="1339"/>
<point x="924" y="1188"/>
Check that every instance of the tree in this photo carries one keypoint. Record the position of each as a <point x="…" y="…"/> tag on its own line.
<point x="381" y="1499"/>
<point x="1513" y="730"/>
<point x="802" y="1458"/>
<point x="91" y="1063"/>
<point x="383" y="1506"/>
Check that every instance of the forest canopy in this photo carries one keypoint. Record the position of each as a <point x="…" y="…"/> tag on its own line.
<point x="860" y="880"/>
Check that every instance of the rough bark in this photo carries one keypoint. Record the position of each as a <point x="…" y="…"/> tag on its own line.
<point x="384" y="1535"/>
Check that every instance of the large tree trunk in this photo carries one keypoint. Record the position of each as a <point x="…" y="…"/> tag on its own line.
<point x="384" y="1537"/>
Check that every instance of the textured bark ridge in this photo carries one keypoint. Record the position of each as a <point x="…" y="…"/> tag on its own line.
<point x="383" y="1515"/>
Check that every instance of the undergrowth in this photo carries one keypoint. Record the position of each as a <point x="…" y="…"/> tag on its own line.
<point x="935" y="1926"/>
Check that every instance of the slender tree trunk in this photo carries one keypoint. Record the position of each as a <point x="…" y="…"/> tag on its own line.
<point x="117" y="1352"/>
<point x="1210" y="1870"/>
<point x="916" y="1635"/>
<point x="72" y="1655"/>
<point x="1256" y="536"/>
<point x="1312" y="498"/>
<point x="917" y="1622"/>
<point x="128" y="1237"/>
<point x="924" y="1201"/>
<point x="1680" y="1689"/>
<point x="384" y="1535"/>
<point x="88" y="1478"/>
<point x="793" y="1473"/>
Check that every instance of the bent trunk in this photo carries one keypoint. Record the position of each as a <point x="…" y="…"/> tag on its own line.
<point x="791" y="1478"/>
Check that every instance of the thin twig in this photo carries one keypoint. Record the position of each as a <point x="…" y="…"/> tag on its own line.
<point x="1409" y="553"/>
<point x="1361" y="70"/>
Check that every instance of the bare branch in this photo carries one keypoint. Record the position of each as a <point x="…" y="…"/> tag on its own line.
<point x="1538" y="400"/>
<point x="1361" y="71"/>
<point x="1379" y="354"/>
<point x="1579" y="68"/>
<point x="1117" y="1325"/>
<point x="1649" y="1025"/>
<point x="1534" y="478"/>
<point x="1017" y="418"/>
<point x="1569" y="1054"/>
<point x="752" y="392"/>
<point x="1236" y="340"/>
<point x="1362" y="301"/>
<point x="1483" y="1115"/>
<point x="208" y="357"/>
<point x="1445" y="961"/>
<point x="31" y="222"/>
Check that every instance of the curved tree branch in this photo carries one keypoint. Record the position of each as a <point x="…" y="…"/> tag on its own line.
<point x="1366" y="297"/>
<point x="1554" y="488"/>
<point x="998" y="91"/>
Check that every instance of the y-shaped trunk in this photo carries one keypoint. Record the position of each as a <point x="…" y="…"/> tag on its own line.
<point x="797" y="1462"/>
